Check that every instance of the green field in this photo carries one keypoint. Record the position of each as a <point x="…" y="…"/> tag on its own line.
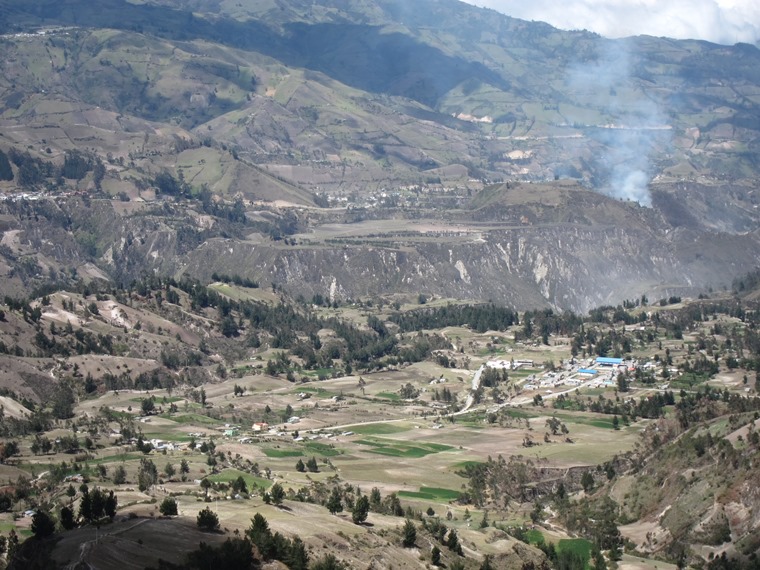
<point x="402" y="449"/>
<point x="579" y="546"/>
<point x="465" y="464"/>
<point x="251" y="481"/>
<point x="167" y="435"/>
<point x="21" y="532"/>
<point x="534" y="536"/>
<point x="322" y="449"/>
<point x="280" y="453"/>
<point x="580" y="418"/>
<point x="191" y="419"/>
<point x="379" y="429"/>
<point x="320" y="372"/>
<point x="388" y="396"/>
<point x="431" y="494"/>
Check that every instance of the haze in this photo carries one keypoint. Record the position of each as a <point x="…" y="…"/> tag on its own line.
<point x="719" y="21"/>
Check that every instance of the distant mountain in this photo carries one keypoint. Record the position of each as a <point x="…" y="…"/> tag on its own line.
<point x="394" y="109"/>
<point x="561" y="98"/>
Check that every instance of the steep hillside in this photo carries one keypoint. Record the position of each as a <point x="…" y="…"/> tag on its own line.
<point x="569" y="103"/>
<point x="253" y="122"/>
<point x="562" y="246"/>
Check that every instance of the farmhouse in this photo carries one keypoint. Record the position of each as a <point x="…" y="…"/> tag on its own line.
<point x="260" y="426"/>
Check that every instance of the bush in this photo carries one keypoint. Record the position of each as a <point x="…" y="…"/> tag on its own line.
<point x="42" y="525"/>
<point x="328" y="562"/>
<point x="168" y="508"/>
<point x="207" y="520"/>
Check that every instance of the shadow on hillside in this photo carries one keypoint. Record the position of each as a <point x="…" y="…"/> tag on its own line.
<point x="360" y="56"/>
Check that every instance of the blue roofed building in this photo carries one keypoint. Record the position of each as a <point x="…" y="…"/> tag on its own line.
<point x="605" y="361"/>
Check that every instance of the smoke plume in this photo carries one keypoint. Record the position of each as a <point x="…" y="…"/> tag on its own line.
<point x="627" y="126"/>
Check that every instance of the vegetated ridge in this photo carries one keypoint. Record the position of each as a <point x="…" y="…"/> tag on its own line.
<point x="454" y="123"/>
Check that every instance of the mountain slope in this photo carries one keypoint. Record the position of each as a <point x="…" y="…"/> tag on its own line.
<point x="383" y="112"/>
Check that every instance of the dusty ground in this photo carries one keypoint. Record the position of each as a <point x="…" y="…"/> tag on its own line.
<point x="11" y="408"/>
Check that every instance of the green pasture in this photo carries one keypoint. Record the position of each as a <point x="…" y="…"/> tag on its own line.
<point x="388" y="396"/>
<point x="534" y="536"/>
<point x="431" y="494"/>
<point x="229" y="475"/>
<point x="579" y="546"/>
<point x="465" y="464"/>
<point x="402" y="449"/>
<point x="281" y="453"/>
<point x="379" y="429"/>
<point x="322" y="449"/>
<point x="192" y="419"/>
<point x="166" y="435"/>
<point x="6" y="527"/>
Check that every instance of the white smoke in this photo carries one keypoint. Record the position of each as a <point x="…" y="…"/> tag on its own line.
<point x="719" y="21"/>
<point x="632" y="129"/>
<point x="631" y="185"/>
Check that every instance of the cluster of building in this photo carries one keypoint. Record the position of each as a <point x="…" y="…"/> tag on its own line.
<point x="596" y="373"/>
<point x="509" y="364"/>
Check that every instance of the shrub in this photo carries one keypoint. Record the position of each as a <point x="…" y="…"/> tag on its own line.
<point x="168" y="508"/>
<point x="207" y="520"/>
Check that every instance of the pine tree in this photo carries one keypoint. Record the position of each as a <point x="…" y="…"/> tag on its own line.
<point x="85" y="507"/>
<point x="334" y="503"/>
<point x="436" y="556"/>
<point x="298" y="558"/>
<point x="452" y="542"/>
<point x="67" y="518"/>
<point x="375" y="499"/>
<point x="110" y="505"/>
<point x="277" y="494"/>
<point x="410" y="534"/>
<point x="42" y="525"/>
<point x="360" y="510"/>
<point x="147" y="474"/>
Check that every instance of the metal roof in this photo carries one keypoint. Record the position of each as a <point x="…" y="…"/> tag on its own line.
<point x="605" y="360"/>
